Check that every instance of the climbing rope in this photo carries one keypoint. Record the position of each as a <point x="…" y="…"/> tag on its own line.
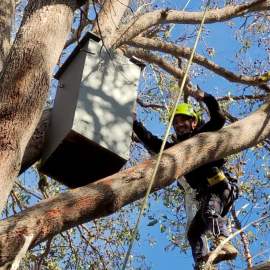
<point x="145" y="200"/>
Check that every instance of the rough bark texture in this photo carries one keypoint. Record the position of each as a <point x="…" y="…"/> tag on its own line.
<point x="108" y="195"/>
<point x="36" y="144"/>
<point x="7" y="9"/>
<point x="25" y="81"/>
<point x="108" y="19"/>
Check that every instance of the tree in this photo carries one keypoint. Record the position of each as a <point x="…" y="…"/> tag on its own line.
<point x="28" y="62"/>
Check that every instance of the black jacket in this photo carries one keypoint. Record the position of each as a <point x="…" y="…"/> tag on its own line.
<point x="198" y="177"/>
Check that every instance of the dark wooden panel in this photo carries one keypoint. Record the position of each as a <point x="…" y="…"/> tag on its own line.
<point x="78" y="161"/>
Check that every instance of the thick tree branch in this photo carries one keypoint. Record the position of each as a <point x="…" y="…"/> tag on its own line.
<point x="110" y="194"/>
<point x="153" y="59"/>
<point x="109" y="18"/>
<point x="162" y="63"/>
<point x="157" y="45"/>
<point x="145" y="21"/>
<point x="7" y="11"/>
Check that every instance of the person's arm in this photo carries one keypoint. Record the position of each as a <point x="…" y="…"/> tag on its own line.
<point x="151" y="142"/>
<point x="217" y="119"/>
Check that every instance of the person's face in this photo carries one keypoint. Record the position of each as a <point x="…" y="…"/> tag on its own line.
<point x="183" y="124"/>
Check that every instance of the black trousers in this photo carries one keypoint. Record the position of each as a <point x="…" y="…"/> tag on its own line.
<point x="215" y="202"/>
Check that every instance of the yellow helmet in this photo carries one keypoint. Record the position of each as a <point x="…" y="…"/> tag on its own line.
<point x="187" y="109"/>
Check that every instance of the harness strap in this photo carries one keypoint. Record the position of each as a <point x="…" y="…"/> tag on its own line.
<point x="234" y="192"/>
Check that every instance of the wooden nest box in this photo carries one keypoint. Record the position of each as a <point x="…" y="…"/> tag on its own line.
<point x="91" y="125"/>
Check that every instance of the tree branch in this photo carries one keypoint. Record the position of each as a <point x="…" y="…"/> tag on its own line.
<point x="263" y="266"/>
<point x="84" y="21"/>
<point x="106" y="196"/>
<point x="159" y="61"/>
<point x="244" y="238"/>
<point x="150" y="105"/>
<point x="243" y="97"/>
<point x="157" y="45"/>
<point x="109" y="18"/>
<point x="139" y="24"/>
<point x="162" y="63"/>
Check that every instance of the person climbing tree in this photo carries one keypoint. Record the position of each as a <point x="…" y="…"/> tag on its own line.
<point x="216" y="190"/>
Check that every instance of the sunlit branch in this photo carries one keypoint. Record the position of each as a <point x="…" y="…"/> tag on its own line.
<point x="139" y="24"/>
<point x="157" y="45"/>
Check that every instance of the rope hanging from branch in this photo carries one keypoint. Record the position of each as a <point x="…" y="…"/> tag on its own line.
<point x="145" y="200"/>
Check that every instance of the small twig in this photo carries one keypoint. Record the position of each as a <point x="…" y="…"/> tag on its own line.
<point x="44" y="254"/>
<point x="244" y="238"/>
<point x="27" y="190"/>
<point x="221" y="245"/>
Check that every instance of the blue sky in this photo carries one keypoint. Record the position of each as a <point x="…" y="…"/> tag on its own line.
<point x="221" y="37"/>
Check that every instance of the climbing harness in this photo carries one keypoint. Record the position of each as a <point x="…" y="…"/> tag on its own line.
<point x="144" y="203"/>
<point x="215" y="224"/>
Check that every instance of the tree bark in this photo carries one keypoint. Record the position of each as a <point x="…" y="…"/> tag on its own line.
<point x="106" y="196"/>
<point x="7" y="10"/>
<point x="108" y="19"/>
<point x="25" y="80"/>
<point x="35" y="146"/>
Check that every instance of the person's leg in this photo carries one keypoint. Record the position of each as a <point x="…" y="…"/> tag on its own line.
<point x="213" y="211"/>
<point x="196" y="237"/>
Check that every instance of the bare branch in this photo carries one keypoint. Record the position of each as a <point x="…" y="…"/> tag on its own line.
<point x="243" y="97"/>
<point x="244" y="238"/>
<point x="157" y="45"/>
<point x="84" y="21"/>
<point x="151" y="105"/>
<point x="143" y="22"/>
<point x="162" y="63"/>
<point x="263" y="266"/>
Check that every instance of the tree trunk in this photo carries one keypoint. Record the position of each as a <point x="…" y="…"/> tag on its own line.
<point x="7" y="9"/>
<point x="25" y="81"/>
<point x="106" y="196"/>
